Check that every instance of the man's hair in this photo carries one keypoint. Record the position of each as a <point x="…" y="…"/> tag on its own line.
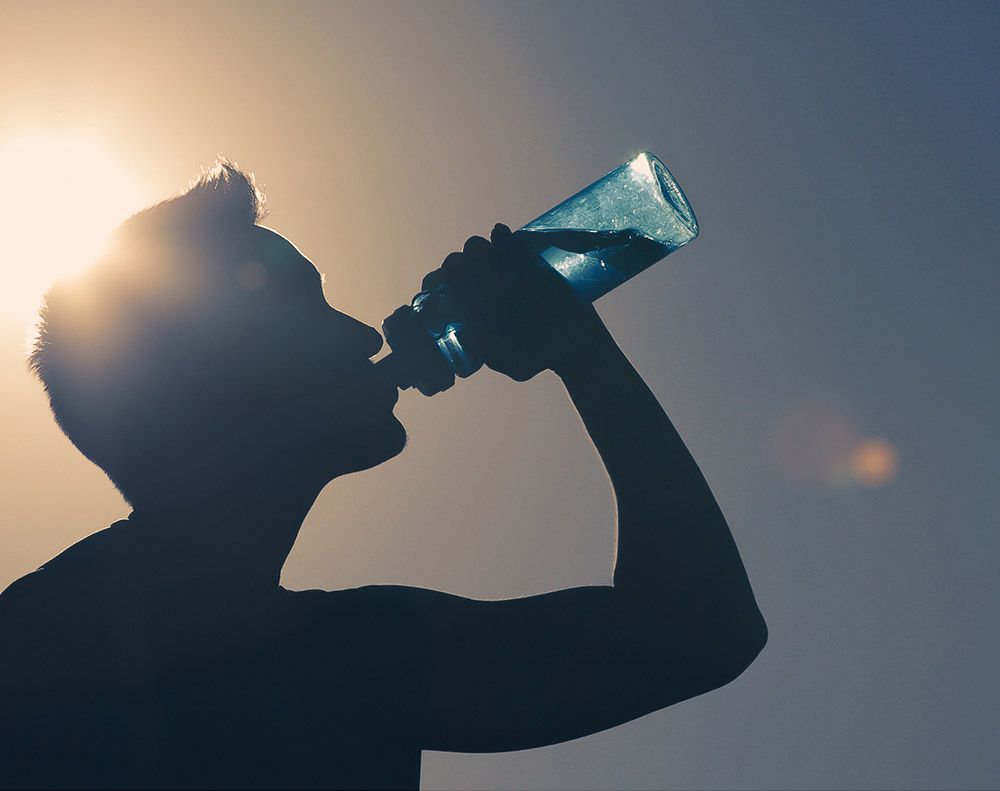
<point x="111" y="345"/>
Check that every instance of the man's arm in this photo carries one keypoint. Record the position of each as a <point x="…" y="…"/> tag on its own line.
<point x="674" y="551"/>
<point x="679" y="620"/>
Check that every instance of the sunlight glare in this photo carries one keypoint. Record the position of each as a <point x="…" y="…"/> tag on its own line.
<point x="60" y="200"/>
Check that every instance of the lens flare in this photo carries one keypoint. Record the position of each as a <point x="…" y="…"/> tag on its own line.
<point x="61" y="198"/>
<point x="874" y="462"/>
<point x="817" y="443"/>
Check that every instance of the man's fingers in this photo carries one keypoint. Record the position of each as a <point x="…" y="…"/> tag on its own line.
<point x="454" y="264"/>
<point x="501" y="234"/>
<point x="487" y="269"/>
<point x="432" y="280"/>
<point x="505" y="243"/>
<point x="451" y="265"/>
<point x="476" y="245"/>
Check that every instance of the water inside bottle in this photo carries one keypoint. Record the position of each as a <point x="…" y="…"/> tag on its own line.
<point x="595" y="262"/>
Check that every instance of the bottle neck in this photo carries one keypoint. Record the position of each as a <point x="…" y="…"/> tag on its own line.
<point x="417" y="359"/>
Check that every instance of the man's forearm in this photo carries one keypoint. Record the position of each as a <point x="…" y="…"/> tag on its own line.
<point x="674" y="549"/>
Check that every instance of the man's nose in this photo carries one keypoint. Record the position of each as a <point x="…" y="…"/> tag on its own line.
<point x="374" y="340"/>
<point x="366" y="337"/>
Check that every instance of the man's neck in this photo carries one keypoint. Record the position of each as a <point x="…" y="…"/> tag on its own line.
<point x="245" y="530"/>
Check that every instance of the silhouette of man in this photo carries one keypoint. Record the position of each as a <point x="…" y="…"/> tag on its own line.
<point x="200" y="366"/>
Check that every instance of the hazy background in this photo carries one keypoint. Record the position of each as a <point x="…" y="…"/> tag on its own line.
<point x="842" y="160"/>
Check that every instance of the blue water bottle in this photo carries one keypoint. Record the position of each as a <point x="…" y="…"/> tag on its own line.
<point x="597" y="239"/>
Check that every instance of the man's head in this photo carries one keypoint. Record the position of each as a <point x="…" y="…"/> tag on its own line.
<point x="202" y="344"/>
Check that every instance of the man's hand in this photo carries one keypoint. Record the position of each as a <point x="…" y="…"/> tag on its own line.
<point x="520" y="314"/>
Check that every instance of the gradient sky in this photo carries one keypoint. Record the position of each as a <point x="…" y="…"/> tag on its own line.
<point x="842" y="162"/>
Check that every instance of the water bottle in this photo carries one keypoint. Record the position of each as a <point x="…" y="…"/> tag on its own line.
<point x="597" y="239"/>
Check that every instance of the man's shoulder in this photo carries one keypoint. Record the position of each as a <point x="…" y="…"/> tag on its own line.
<point x="66" y="594"/>
<point x="42" y="592"/>
<point x="19" y="595"/>
<point x="88" y="560"/>
<point x="104" y="549"/>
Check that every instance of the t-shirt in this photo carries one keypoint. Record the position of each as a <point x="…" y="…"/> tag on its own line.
<point x="122" y="667"/>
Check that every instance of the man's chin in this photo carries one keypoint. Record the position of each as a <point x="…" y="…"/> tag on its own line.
<point x="380" y="444"/>
<point x="397" y="438"/>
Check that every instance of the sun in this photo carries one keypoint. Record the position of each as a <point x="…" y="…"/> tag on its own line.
<point x="60" y="197"/>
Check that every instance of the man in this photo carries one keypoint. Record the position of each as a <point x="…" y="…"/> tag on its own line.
<point x="201" y="367"/>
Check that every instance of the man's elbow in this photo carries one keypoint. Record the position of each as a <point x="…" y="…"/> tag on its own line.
<point x="734" y="652"/>
<point x="711" y="660"/>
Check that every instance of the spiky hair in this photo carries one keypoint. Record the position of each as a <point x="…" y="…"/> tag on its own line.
<point x="96" y="335"/>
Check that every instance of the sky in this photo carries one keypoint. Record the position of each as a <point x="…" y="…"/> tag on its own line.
<point x="826" y="347"/>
